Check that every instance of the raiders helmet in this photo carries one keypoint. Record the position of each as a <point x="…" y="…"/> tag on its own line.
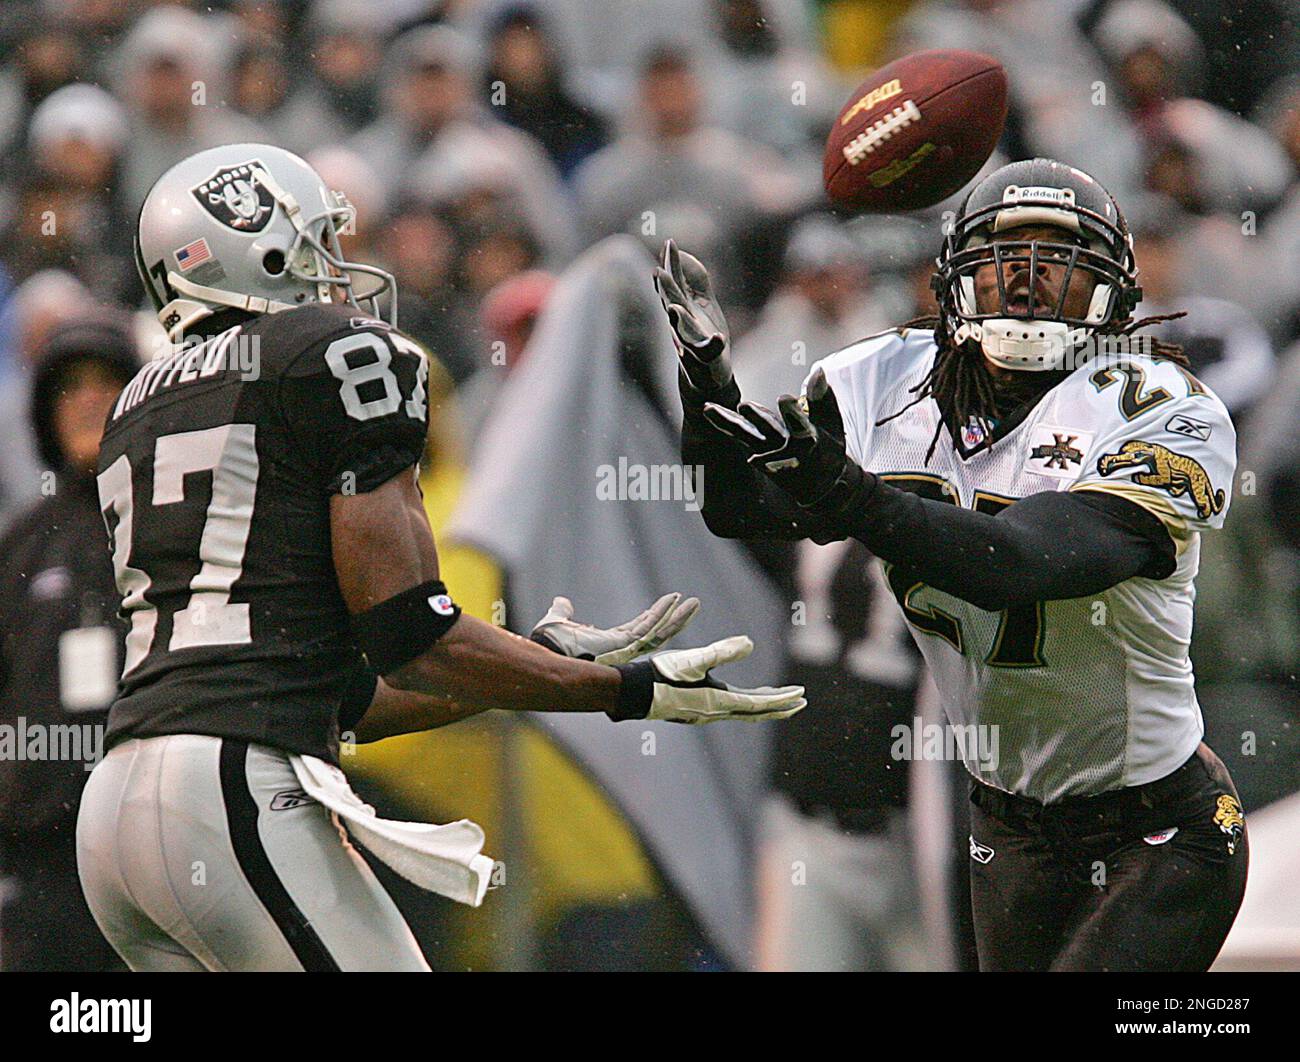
<point x="248" y="226"/>
<point x="1095" y="245"/>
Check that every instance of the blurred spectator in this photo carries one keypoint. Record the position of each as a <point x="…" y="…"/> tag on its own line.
<point x="668" y="164"/>
<point x="337" y="94"/>
<point x="1279" y="113"/>
<point x="507" y="316"/>
<point x="1156" y="55"/>
<point x="69" y="211"/>
<point x="1226" y="346"/>
<point x="40" y="305"/>
<point x="525" y="62"/>
<point x="437" y="142"/>
<point x="822" y="305"/>
<point x="166" y="77"/>
<point x="60" y="652"/>
<point x="1058" y="80"/>
<point x="767" y="90"/>
<point x="420" y="249"/>
<point x="46" y="57"/>
<point x="1228" y="164"/>
<point x="259" y="90"/>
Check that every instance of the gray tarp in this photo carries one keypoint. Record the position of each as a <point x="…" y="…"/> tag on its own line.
<point x="577" y="402"/>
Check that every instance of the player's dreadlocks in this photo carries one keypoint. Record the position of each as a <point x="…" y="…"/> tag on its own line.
<point x="961" y="385"/>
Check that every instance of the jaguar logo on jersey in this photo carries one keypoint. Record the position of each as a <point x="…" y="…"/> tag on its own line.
<point x="1228" y="817"/>
<point x="235" y="198"/>
<point x="1057" y="452"/>
<point x="1175" y="474"/>
<point x="981" y="853"/>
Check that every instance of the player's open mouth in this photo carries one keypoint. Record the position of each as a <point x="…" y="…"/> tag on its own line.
<point x="1018" y="304"/>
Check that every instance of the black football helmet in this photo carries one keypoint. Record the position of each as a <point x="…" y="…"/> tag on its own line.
<point x="1095" y="241"/>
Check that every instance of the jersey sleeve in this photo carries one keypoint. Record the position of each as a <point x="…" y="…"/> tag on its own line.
<point x="853" y="376"/>
<point x="1167" y="445"/>
<point x="357" y="403"/>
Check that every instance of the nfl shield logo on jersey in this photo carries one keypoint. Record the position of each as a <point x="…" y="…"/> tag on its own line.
<point x="234" y="198"/>
<point x="1057" y="452"/>
<point x="972" y="435"/>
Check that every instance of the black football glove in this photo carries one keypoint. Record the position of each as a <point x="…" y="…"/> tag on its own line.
<point x="803" y="452"/>
<point x="699" y="329"/>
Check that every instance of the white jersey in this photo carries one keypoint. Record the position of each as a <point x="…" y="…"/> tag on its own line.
<point x="1088" y="694"/>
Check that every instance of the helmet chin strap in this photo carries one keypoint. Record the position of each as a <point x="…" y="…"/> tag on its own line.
<point x="1028" y="344"/>
<point x="181" y="314"/>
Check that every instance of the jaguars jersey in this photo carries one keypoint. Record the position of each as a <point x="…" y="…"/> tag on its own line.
<point x="215" y="476"/>
<point x="1087" y="694"/>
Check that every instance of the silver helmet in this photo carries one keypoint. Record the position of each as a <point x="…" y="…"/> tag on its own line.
<point x="250" y="227"/>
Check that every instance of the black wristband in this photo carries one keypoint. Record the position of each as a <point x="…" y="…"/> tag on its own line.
<point x="398" y="630"/>
<point x="636" y="691"/>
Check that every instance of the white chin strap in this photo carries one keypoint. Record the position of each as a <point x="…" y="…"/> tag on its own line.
<point x="180" y="314"/>
<point x="1028" y="344"/>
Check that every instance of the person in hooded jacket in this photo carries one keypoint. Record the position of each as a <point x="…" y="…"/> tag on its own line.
<point x="60" y="654"/>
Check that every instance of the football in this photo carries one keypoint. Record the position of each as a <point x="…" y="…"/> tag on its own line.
<point x="915" y="131"/>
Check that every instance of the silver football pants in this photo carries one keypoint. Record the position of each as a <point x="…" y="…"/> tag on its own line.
<point x="204" y="853"/>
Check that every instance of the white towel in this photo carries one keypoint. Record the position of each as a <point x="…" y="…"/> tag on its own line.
<point x="446" y="859"/>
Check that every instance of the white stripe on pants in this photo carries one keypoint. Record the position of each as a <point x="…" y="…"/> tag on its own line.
<point x="189" y="862"/>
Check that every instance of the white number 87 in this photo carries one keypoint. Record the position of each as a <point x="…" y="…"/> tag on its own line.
<point x="353" y="377"/>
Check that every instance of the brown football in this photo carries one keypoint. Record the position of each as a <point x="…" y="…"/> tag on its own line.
<point x="915" y="131"/>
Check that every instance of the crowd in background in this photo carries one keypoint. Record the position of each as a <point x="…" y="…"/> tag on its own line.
<point x="487" y="144"/>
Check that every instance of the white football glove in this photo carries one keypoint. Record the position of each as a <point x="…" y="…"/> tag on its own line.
<point x="677" y="687"/>
<point x="663" y="620"/>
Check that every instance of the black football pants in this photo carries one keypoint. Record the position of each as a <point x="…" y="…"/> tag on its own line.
<point x="1148" y="878"/>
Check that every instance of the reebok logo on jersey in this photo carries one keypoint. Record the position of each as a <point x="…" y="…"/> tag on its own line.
<point x="981" y="853"/>
<point x="1057" y="452"/>
<point x="290" y="798"/>
<point x="1193" y="429"/>
<point x="441" y="604"/>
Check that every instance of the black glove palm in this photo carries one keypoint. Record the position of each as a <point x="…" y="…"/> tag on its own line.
<point x="802" y="450"/>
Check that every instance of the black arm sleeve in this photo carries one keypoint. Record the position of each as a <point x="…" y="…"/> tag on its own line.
<point x="1045" y="547"/>
<point x="736" y="500"/>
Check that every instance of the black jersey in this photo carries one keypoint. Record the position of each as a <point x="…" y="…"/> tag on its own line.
<point x="215" y="474"/>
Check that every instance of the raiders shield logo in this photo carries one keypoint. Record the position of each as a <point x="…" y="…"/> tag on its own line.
<point x="234" y="198"/>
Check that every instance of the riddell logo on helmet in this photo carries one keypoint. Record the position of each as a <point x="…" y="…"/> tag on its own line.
<point x="235" y="198"/>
